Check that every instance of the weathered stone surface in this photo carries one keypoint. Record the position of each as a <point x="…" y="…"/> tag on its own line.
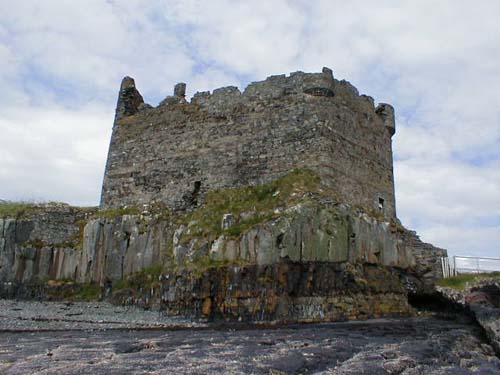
<point x="482" y="299"/>
<point x="426" y="268"/>
<point x="290" y="291"/>
<point x="228" y="221"/>
<point x="386" y="111"/>
<point x="43" y="246"/>
<point x="276" y="266"/>
<point x="129" y="99"/>
<point x="317" y="232"/>
<point x="388" y="346"/>
<point x="115" y="248"/>
<point x="180" y="90"/>
<point x="178" y="151"/>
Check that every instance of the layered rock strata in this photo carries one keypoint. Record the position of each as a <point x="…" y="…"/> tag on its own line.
<point x="304" y="257"/>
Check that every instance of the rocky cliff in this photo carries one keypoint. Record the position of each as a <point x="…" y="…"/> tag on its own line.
<point x="39" y="242"/>
<point x="286" y="250"/>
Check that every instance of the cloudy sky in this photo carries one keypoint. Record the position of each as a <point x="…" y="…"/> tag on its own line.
<point x="438" y="63"/>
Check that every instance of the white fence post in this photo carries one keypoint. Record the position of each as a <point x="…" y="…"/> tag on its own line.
<point x="470" y="264"/>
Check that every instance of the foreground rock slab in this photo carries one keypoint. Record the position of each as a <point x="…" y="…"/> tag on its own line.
<point x="385" y="346"/>
<point x="42" y="316"/>
<point x="481" y="298"/>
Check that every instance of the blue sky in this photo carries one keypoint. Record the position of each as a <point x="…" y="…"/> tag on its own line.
<point x="438" y="63"/>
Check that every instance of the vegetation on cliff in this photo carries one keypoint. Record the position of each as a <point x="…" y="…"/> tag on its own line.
<point x="69" y="290"/>
<point x="251" y="205"/>
<point x="17" y="210"/>
<point x="113" y="213"/>
<point x="460" y="282"/>
<point x="139" y="283"/>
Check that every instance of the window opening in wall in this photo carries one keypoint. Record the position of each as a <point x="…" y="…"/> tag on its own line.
<point x="192" y="198"/>
<point x="197" y="186"/>
<point x="381" y="204"/>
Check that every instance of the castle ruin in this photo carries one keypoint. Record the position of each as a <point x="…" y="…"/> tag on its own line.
<point x="275" y="203"/>
<point x="177" y="151"/>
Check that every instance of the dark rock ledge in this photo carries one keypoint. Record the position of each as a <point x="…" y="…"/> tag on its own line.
<point x="480" y="299"/>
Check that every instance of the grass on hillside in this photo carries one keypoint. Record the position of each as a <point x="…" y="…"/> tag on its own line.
<point x="68" y="290"/>
<point x="88" y="292"/>
<point x="16" y="210"/>
<point x="461" y="281"/>
<point x="145" y="279"/>
<point x="259" y="201"/>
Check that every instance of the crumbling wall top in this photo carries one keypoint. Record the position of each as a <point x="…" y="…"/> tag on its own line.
<point x="129" y="99"/>
<point x="273" y="87"/>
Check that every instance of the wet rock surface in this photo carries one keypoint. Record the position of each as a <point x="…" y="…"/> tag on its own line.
<point x="489" y="319"/>
<point x="384" y="346"/>
<point x="287" y="292"/>
<point x="42" y="316"/>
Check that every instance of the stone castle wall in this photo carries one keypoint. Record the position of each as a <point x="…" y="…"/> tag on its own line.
<point x="177" y="151"/>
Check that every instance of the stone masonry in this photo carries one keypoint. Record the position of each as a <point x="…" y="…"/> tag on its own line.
<point x="176" y="152"/>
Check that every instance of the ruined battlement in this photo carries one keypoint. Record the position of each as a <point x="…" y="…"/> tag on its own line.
<point x="177" y="151"/>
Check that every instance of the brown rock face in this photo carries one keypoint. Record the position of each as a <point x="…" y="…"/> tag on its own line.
<point x="287" y="291"/>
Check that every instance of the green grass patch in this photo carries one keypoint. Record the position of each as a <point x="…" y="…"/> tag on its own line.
<point x="88" y="292"/>
<point x="461" y="281"/>
<point x="243" y="225"/>
<point x="17" y="210"/>
<point x="258" y="202"/>
<point x="197" y="268"/>
<point x="144" y="279"/>
<point x="68" y="290"/>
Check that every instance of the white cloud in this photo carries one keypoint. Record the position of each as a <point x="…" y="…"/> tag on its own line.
<point x="256" y="38"/>
<point x="448" y="191"/>
<point x="87" y="47"/>
<point x="466" y="240"/>
<point x="437" y="63"/>
<point x="54" y="154"/>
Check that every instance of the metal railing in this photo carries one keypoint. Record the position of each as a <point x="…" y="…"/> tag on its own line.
<point x="468" y="264"/>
